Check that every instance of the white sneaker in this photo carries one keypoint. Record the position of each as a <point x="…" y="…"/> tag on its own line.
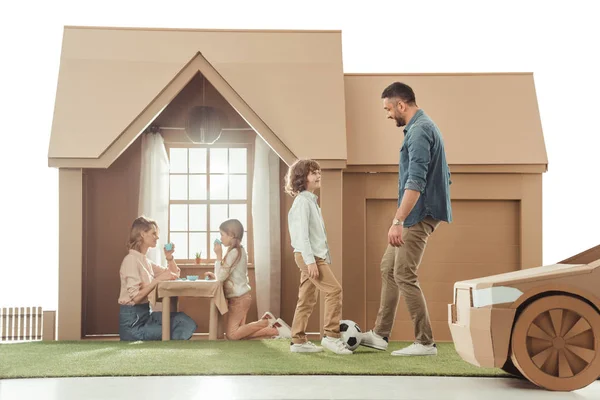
<point x="307" y="347"/>
<point x="336" y="345"/>
<point x="417" y="349"/>
<point x="269" y="317"/>
<point x="373" y="340"/>
<point x="283" y="329"/>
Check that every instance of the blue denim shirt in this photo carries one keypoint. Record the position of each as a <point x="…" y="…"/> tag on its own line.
<point x="423" y="168"/>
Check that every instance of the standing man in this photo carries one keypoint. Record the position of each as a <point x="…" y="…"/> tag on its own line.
<point x="423" y="202"/>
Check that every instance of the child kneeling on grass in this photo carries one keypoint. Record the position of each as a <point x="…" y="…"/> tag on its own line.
<point x="309" y="240"/>
<point x="232" y="270"/>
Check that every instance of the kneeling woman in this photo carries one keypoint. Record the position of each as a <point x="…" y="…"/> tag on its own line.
<point x="139" y="276"/>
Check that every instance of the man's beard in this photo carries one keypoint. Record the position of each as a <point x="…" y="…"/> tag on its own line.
<point x="400" y="122"/>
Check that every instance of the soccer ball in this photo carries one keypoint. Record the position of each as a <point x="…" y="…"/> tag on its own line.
<point x="351" y="334"/>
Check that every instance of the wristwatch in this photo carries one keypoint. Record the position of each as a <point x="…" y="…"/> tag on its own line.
<point x="398" y="222"/>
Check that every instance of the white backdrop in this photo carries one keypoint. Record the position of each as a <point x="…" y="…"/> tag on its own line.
<point x="558" y="43"/>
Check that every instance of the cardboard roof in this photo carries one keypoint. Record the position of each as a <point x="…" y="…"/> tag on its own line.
<point x="484" y="118"/>
<point x="290" y="83"/>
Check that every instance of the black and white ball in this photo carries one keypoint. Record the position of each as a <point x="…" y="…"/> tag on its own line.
<point x="351" y="334"/>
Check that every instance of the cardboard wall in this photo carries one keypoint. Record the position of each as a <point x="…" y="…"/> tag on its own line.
<point x="110" y="208"/>
<point x="70" y="248"/>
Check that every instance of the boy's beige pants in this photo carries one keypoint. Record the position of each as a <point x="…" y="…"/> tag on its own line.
<point x="307" y="298"/>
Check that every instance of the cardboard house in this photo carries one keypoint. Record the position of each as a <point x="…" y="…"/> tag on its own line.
<point x="289" y="89"/>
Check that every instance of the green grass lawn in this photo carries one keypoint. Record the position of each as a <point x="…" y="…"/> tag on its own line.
<point x="267" y="357"/>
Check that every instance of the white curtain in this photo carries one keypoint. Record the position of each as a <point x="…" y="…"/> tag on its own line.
<point x="154" y="189"/>
<point x="266" y="228"/>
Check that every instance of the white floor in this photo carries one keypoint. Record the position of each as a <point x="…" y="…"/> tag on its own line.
<point x="283" y="387"/>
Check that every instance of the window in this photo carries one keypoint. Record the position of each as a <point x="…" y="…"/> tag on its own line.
<point x="208" y="185"/>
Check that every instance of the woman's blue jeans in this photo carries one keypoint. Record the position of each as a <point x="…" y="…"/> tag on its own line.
<point x="137" y="322"/>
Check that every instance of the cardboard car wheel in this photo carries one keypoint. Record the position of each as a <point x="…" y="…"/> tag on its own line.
<point x="556" y="343"/>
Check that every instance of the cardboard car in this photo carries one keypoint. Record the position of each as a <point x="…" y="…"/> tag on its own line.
<point x="543" y="323"/>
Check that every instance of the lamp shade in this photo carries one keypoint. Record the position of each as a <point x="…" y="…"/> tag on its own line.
<point x="203" y="125"/>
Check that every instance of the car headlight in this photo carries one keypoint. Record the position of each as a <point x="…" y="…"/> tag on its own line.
<point x="495" y="295"/>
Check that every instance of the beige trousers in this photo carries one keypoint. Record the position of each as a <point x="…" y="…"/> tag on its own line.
<point x="399" y="267"/>
<point x="307" y="298"/>
<point x="236" y="323"/>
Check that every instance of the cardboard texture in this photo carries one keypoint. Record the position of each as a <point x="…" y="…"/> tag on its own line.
<point x="288" y="87"/>
<point x="584" y="257"/>
<point x="544" y="321"/>
<point x="459" y="104"/>
<point x="211" y="289"/>
<point x="291" y="80"/>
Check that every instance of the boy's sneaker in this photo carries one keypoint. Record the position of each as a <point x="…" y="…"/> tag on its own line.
<point x="373" y="340"/>
<point x="417" y="349"/>
<point x="306" y="347"/>
<point x="283" y="329"/>
<point x="336" y="345"/>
